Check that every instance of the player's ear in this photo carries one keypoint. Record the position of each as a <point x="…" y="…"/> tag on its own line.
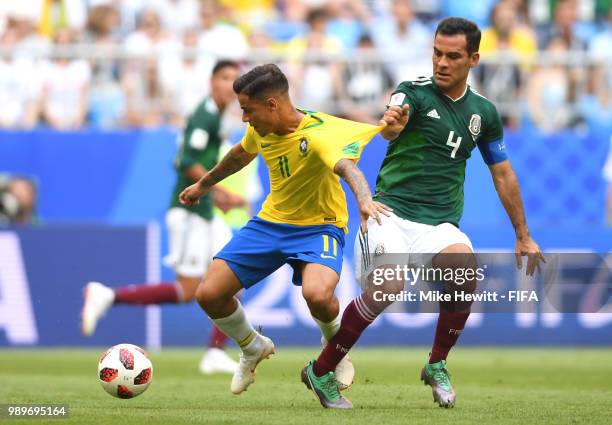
<point x="271" y="103"/>
<point x="474" y="59"/>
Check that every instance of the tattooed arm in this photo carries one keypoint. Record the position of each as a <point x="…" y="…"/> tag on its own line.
<point x="355" y="179"/>
<point x="235" y="160"/>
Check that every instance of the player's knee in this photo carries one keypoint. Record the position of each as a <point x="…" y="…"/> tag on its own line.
<point x="317" y="298"/>
<point x="208" y="298"/>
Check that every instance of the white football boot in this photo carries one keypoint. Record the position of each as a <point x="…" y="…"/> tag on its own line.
<point x="345" y="371"/>
<point x="98" y="299"/>
<point x="259" y="349"/>
<point x="216" y="360"/>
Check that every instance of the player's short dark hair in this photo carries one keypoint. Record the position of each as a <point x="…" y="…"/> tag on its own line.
<point x="262" y="80"/>
<point x="454" y="26"/>
<point x="224" y="63"/>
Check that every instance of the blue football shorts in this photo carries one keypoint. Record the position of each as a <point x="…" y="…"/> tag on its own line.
<point x="261" y="247"/>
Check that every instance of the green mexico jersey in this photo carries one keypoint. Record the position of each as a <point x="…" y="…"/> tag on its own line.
<point x="199" y="145"/>
<point x="422" y="174"/>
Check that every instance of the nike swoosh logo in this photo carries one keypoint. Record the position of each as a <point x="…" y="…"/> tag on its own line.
<point x="265" y="145"/>
<point x="328" y="256"/>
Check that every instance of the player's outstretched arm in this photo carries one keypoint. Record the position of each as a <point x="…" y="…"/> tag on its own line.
<point x="506" y="185"/>
<point x="235" y="160"/>
<point x="355" y="179"/>
<point x="394" y="119"/>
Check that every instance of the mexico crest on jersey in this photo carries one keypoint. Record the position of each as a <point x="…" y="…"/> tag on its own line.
<point x="303" y="146"/>
<point x="474" y="126"/>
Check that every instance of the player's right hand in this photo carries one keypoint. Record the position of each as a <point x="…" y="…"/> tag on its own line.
<point x="395" y="118"/>
<point x="372" y="209"/>
<point x="192" y="194"/>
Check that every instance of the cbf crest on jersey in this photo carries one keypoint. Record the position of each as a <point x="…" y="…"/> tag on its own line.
<point x="474" y="126"/>
<point x="303" y="146"/>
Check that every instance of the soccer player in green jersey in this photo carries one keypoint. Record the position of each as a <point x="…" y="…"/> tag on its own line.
<point x="433" y="124"/>
<point x="194" y="234"/>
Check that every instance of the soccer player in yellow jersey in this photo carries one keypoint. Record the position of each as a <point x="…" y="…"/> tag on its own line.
<point x="302" y="222"/>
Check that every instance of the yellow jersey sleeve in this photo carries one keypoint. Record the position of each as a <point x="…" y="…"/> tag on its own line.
<point x="248" y="141"/>
<point x="345" y="142"/>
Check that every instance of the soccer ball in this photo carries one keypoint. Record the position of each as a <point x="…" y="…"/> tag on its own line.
<point x="125" y="371"/>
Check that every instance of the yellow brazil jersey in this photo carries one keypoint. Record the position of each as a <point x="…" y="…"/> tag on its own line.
<point x="304" y="190"/>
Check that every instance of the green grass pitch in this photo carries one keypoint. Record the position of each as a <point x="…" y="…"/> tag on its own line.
<point x="494" y="386"/>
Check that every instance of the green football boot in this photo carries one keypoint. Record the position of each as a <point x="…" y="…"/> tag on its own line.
<point x="436" y="376"/>
<point x="325" y="388"/>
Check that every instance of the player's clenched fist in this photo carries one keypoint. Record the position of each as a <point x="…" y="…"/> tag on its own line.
<point x="395" y="119"/>
<point x="192" y="194"/>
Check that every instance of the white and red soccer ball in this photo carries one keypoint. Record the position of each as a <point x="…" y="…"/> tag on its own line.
<point x="125" y="371"/>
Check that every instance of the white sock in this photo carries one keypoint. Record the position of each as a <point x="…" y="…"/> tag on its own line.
<point x="237" y="327"/>
<point x="328" y="329"/>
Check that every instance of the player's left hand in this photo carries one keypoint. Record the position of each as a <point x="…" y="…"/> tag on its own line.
<point x="372" y="209"/>
<point x="528" y="247"/>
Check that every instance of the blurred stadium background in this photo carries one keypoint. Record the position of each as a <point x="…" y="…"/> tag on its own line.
<point x="93" y="94"/>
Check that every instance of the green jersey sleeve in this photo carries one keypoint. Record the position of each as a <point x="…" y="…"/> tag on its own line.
<point x="493" y="129"/>
<point x="195" y="140"/>
<point x="491" y="143"/>
<point x="405" y="94"/>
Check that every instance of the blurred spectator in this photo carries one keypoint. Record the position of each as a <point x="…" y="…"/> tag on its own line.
<point x="347" y="21"/>
<point x="506" y="33"/>
<point x="368" y="83"/>
<point x="405" y="43"/>
<point x="315" y="74"/>
<point x="102" y="22"/>
<point x="597" y="105"/>
<point x="149" y="45"/>
<point x="428" y="11"/>
<point x="217" y="39"/>
<point x="477" y="11"/>
<point x="564" y="26"/>
<point x="17" y="200"/>
<point x="506" y="41"/>
<point x="65" y="85"/>
<point x="264" y="49"/>
<point x="20" y="87"/>
<point x="549" y="90"/>
<point x="185" y="80"/>
<point x="289" y="23"/>
<point x="30" y="42"/>
<point x="249" y="12"/>
<point x="58" y="15"/>
<point x="106" y="104"/>
<point x="177" y="15"/>
<point x="150" y="37"/>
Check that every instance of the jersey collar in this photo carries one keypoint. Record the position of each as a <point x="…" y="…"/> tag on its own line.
<point x="303" y="124"/>
<point x="211" y="105"/>
<point x="459" y="99"/>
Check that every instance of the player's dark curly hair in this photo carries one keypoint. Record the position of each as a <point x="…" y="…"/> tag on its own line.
<point x="454" y="26"/>
<point x="262" y="80"/>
